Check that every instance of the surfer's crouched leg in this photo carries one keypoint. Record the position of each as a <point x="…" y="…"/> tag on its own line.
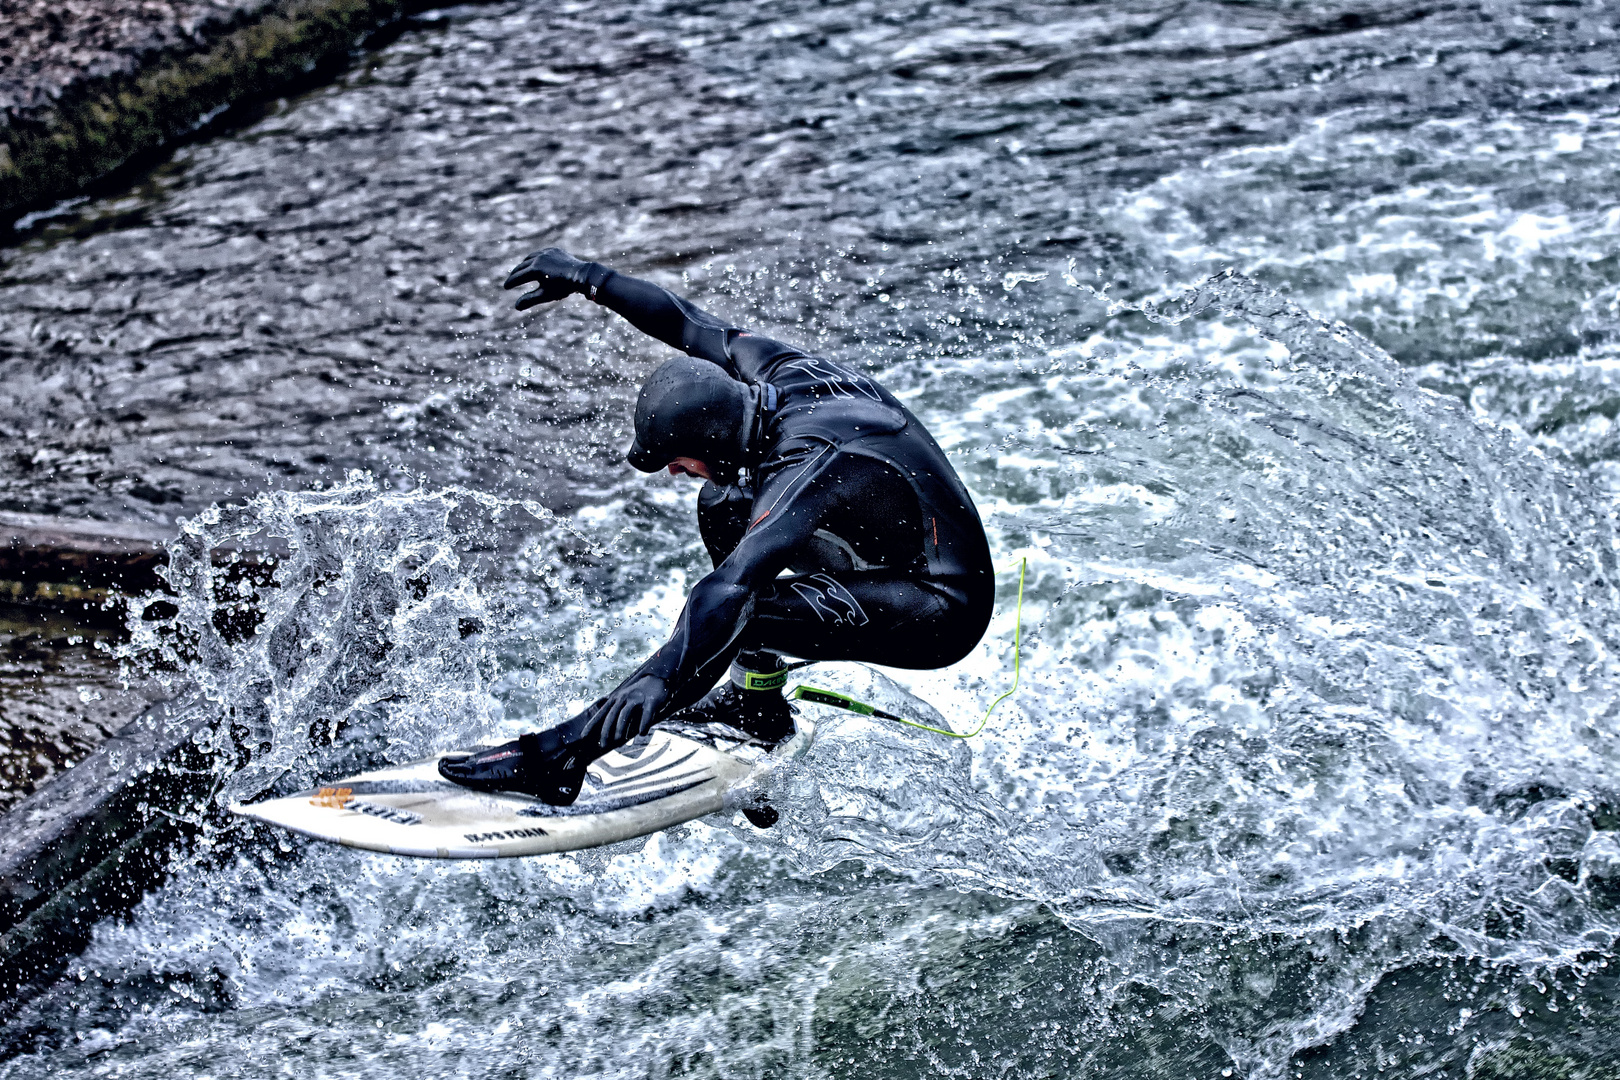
<point x="547" y="768"/>
<point x="750" y="699"/>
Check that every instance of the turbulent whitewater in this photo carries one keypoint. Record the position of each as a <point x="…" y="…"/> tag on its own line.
<point x="1312" y="768"/>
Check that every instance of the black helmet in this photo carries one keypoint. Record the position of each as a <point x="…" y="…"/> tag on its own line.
<point x="691" y="408"/>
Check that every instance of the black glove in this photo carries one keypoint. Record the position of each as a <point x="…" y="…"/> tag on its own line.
<point x="558" y="273"/>
<point x="630" y="710"/>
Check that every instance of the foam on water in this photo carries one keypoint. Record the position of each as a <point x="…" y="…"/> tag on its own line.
<point x="1501" y="229"/>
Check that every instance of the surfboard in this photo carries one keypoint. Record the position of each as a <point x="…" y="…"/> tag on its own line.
<point x="674" y="773"/>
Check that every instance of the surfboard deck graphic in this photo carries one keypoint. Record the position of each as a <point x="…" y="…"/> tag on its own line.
<point x="674" y="773"/>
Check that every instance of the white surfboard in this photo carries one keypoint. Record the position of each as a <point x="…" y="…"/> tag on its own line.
<point x="674" y="773"/>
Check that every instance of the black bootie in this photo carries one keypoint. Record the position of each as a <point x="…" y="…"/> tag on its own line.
<point x="528" y="765"/>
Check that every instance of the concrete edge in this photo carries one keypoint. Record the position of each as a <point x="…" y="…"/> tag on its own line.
<point x="91" y="569"/>
<point x="114" y="122"/>
<point x="92" y="841"/>
<point x="82" y="534"/>
<point x="70" y="563"/>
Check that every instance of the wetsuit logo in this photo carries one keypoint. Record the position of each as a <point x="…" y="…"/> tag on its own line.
<point x="839" y="381"/>
<point x="831" y="602"/>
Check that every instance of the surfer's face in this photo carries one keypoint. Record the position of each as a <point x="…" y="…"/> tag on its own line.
<point x="685" y="466"/>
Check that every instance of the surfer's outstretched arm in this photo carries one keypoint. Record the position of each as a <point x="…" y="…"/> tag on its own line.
<point x="652" y="309"/>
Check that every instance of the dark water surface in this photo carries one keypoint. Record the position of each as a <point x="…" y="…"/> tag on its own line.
<point x="1313" y="771"/>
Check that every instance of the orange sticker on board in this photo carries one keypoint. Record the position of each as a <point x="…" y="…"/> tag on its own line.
<point x="336" y="798"/>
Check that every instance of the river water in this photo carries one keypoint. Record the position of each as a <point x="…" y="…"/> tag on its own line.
<point x="1311" y="770"/>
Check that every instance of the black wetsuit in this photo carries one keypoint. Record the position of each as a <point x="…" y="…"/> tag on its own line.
<point x="887" y="560"/>
<point x="838" y="530"/>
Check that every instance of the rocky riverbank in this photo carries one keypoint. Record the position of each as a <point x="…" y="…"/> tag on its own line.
<point x="61" y="584"/>
<point x="92" y="87"/>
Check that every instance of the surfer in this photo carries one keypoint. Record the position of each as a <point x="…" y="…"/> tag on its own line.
<point x="837" y="529"/>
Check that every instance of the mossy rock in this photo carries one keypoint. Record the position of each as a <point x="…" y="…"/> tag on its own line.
<point x="120" y="121"/>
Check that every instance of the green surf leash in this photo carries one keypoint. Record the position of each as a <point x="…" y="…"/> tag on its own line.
<point x="817" y="696"/>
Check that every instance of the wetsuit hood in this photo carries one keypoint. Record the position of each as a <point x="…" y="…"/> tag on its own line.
<point x="692" y="408"/>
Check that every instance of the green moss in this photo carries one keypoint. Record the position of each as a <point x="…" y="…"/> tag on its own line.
<point x="125" y="118"/>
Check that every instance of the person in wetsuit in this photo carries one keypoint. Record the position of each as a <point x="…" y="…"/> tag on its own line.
<point x="837" y="528"/>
